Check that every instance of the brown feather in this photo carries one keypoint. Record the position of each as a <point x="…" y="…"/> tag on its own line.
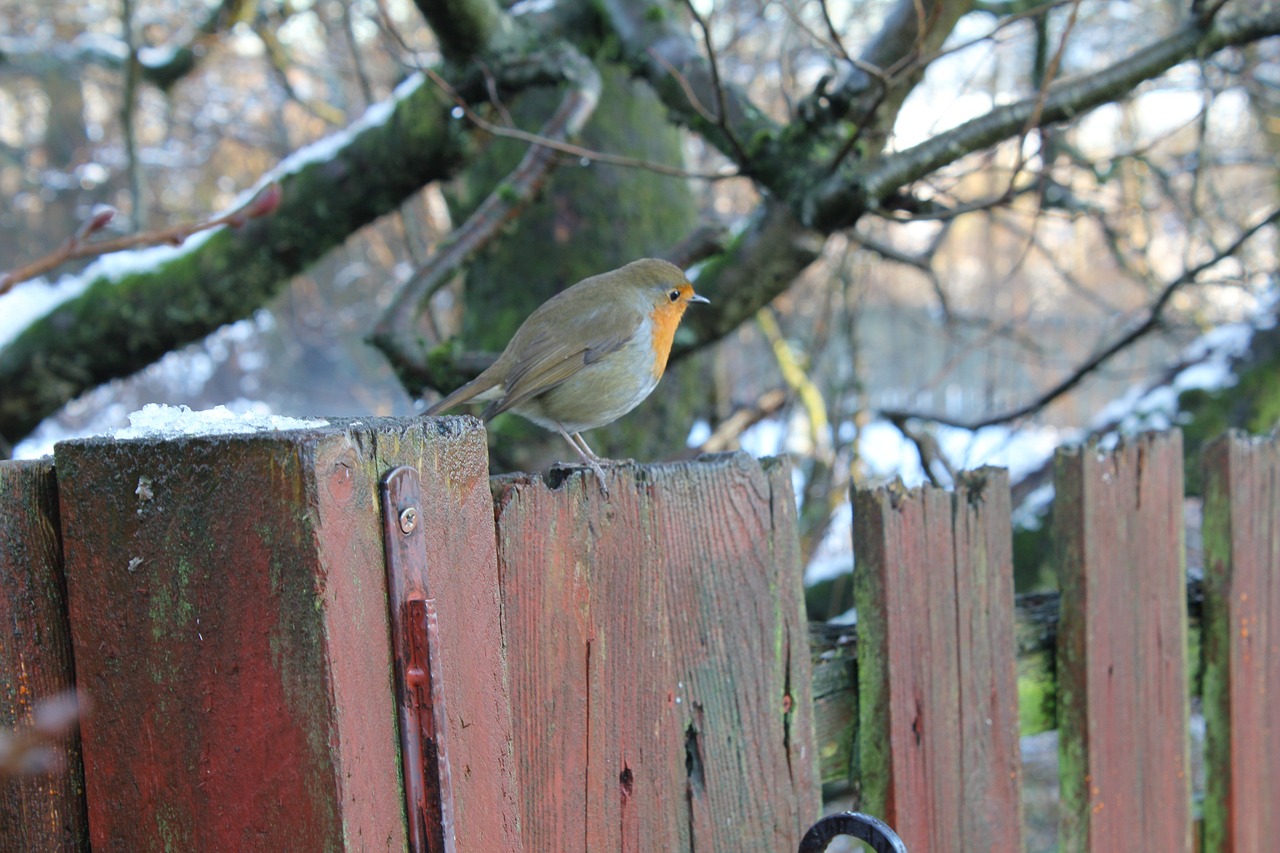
<point x="486" y="380"/>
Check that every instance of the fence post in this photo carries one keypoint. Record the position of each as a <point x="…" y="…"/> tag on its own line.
<point x="1122" y="647"/>
<point x="1242" y="643"/>
<point x="229" y="615"/>
<point x="659" y="659"/>
<point x="45" y="811"/>
<point x="938" y="706"/>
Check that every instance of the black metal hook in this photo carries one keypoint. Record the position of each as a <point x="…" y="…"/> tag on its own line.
<point x="863" y="827"/>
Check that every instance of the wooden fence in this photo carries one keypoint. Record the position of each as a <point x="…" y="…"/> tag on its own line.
<point x="918" y="708"/>
<point x="628" y="674"/>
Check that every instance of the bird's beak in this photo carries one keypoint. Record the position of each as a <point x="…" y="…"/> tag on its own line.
<point x="696" y="298"/>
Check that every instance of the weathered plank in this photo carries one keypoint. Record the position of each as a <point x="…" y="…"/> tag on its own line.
<point x="938" y="714"/>
<point x="452" y="458"/>
<point x="833" y="650"/>
<point x="1242" y="644"/>
<point x="40" y="811"/>
<point x="228" y="607"/>
<point x="659" y="659"/>
<point x="1122" y="645"/>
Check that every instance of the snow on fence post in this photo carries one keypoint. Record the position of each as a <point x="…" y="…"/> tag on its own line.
<point x="1242" y="643"/>
<point x="229" y="615"/>
<point x="39" y="811"/>
<point x="1122" y="648"/>
<point x="659" y="658"/>
<point x="938" y="706"/>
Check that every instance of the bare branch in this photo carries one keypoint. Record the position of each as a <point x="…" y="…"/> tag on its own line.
<point x="1152" y="321"/>
<point x="396" y="333"/>
<point x="665" y="55"/>
<point x="160" y="66"/>
<point x="562" y="146"/>
<point x="1065" y="100"/>
<point x="721" y="117"/>
<point x="263" y="203"/>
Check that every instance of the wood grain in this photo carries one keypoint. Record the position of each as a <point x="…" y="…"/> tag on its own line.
<point x="659" y="661"/>
<point x="1242" y="643"/>
<point x="228" y="607"/>
<point x="38" y="811"/>
<point x="1122" y="648"/>
<point x="938" y="717"/>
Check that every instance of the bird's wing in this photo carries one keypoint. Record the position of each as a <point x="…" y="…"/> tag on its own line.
<point x="544" y="362"/>
<point x="479" y="385"/>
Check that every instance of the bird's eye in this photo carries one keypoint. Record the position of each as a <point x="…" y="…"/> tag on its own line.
<point x="674" y="294"/>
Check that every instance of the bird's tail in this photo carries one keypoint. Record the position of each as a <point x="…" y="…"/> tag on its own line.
<point x="473" y="389"/>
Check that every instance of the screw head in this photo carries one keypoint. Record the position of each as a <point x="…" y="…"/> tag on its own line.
<point x="408" y="519"/>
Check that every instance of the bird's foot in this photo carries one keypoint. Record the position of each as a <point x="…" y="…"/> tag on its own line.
<point x="594" y="465"/>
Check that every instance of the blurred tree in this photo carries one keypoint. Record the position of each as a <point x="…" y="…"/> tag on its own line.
<point x="947" y="213"/>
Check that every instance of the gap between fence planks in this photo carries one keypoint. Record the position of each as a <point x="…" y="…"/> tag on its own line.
<point x="938" y="729"/>
<point x="1122" y="640"/>
<point x="1242" y="643"/>
<point x="659" y="659"/>
<point x="45" y="810"/>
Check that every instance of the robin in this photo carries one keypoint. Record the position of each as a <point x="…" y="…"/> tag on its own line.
<point x="588" y="355"/>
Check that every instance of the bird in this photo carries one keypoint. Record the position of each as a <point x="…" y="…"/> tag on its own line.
<point x="588" y="355"/>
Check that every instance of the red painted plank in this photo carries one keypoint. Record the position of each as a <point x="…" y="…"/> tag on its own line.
<point x="1242" y="643"/>
<point x="38" y="811"/>
<point x="938" y="732"/>
<point x="1122" y="648"/>
<point x="659" y="659"/>
<point x="228" y="602"/>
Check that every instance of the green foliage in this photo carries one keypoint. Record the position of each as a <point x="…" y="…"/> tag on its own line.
<point x="656" y="13"/>
<point x="829" y="598"/>
<point x="1033" y="558"/>
<point x="1251" y="404"/>
<point x="442" y="363"/>
<point x="1037" y="693"/>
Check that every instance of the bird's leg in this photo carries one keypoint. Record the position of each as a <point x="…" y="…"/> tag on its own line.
<point x="589" y="458"/>
<point x="584" y="448"/>
<point x="582" y="442"/>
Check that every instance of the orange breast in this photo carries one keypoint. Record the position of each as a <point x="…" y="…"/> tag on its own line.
<point x="666" y="317"/>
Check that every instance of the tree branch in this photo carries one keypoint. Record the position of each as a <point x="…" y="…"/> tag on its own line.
<point x="396" y="334"/>
<point x="135" y="309"/>
<point x="1152" y="321"/>
<point x="851" y="191"/>
<point x="160" y="66"/>
<point x="466" y="28"/>
<point x="658" y="49"/>
<point x="76" y="247"/>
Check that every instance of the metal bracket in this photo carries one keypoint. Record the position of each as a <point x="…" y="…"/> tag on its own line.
<point x="415" y="641"/>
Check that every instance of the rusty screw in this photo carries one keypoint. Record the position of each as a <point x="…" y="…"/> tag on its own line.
<point x="408" y="519"/>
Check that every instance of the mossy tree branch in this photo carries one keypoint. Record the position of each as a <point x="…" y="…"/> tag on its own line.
<point x="122" y="323"/>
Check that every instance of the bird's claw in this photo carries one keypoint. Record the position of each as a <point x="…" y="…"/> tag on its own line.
<point x="595" y="468"/>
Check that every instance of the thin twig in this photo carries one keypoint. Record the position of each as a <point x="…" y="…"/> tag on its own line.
<point x="1042" y="94"/>
<point x="395" y="331"/>
<point x="685" y="86"/>
<point x="562" y="146"/>
<point x="722" y="120"/>
<point x="362" y="76"/>
<point x="128" y="116"/>
<point x="831" y="29"/>
<point x="265" y="202"/>
<point x="1154" y="317"/>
